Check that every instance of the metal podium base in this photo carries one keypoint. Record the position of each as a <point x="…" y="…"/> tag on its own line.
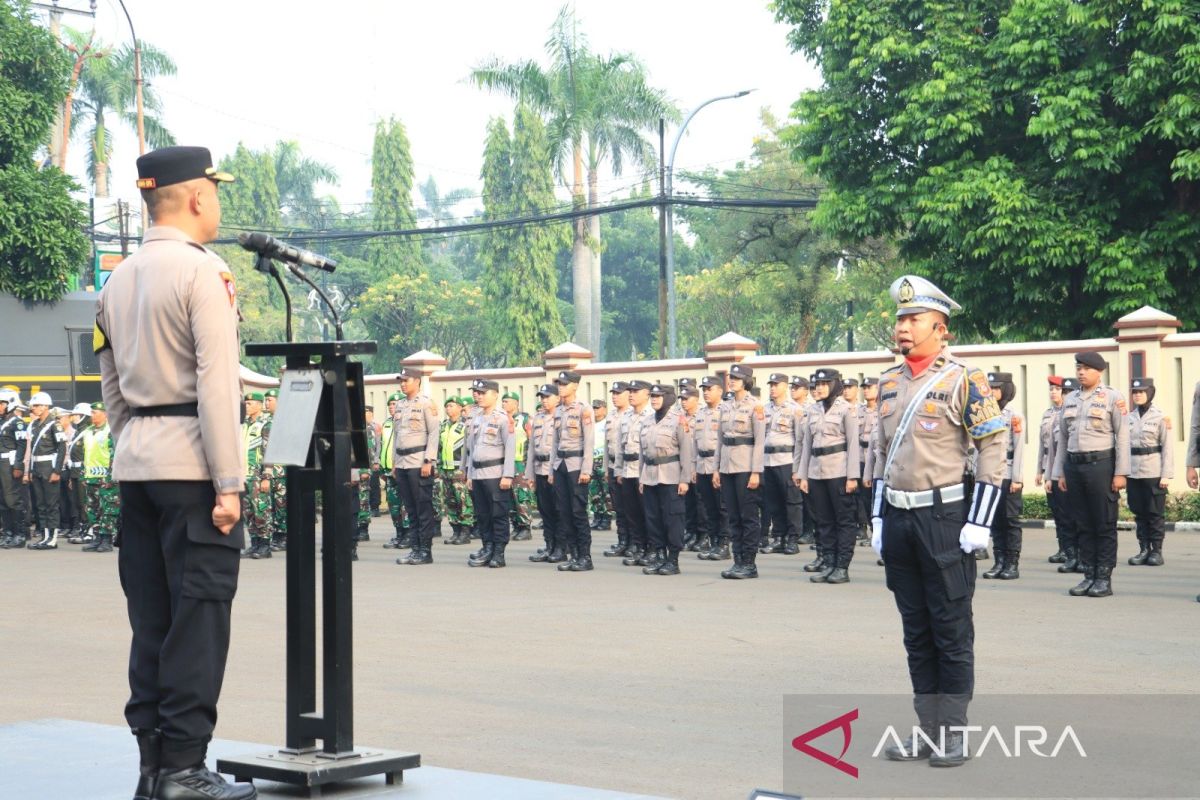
<point x="312" y="770"/>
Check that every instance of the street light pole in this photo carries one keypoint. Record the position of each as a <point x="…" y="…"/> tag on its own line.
<point x="670" y="214"/>
<point x="137" y="91"/>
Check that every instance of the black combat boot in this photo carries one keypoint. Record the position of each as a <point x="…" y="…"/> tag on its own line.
<point x="1012" y="562"/>
<point x="1060" y="557"/>
<point x="824" y="575"/>
<point x="602" y="524"/>
<point x="837" y="575"/>
<point x="542" y="554"/>
<point x="954" y="753"/>
<point x="558" y="555"/>
<point x="263" y="548"/>
<point x="406" y="538"/>
<point x="737" y="566"/>
<point x="1155" y="559"/>
<point x="653" y="561"/>
<point x="670" y="565"/>
<point x="1143" y="553"/>
<point x="806" y="538"/>
<point x="1072" y="562"/>
<point x="251" y="548"/>
<point x="581" y="563"/>
<point x="749" y="570"/>
<point x="105" y="543"/>
<point x="364" y="532"/>
<point x="482" y="557"/>
<point x="791" y="545"/>
<point x="497" y="559"/>
<point x="424" y="553"/>
<point x="915" y="747"/>
<point x="149" y="753"/>
<point x="721" y="553"/>
<point x="618" y="549"/>
<point x="93" y="545"/>
<point x="997" y="566"/>
<point x="462" y="535"/>
<point x="522" y="535"/>
<point x="278" y="543"/>
<point x="1089" y="577"/>
<point x="817" y="564"/>
<point x="1102" y="586"/>
<point x="392" y="543"/>
<point x="636" y="557"/>
<point x="183" y="776"/>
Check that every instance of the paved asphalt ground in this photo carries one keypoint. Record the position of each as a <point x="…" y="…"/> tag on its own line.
<point x="612" y="679"/>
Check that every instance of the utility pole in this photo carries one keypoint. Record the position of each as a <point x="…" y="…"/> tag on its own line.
<point x="137" y="89"/>
<point x="662" y="239"/>
<point x="123" y="226"/>
<point x="58" y="134"/>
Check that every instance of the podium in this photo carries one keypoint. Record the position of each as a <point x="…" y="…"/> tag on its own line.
<point x="320" y="373"/>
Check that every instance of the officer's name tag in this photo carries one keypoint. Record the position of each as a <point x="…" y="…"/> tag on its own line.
<point x="295" y="415"/>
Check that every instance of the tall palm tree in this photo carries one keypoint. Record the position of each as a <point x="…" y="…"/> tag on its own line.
<point x="439" y="207"/>
<point x="297" y="177"/>
<point x="105" y="92"/>
<point x="592" y="113"/>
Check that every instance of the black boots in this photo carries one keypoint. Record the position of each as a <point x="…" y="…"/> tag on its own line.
<point x="103" y="544"/>
<point x="618" y="549"/>
<point x="743" y="566"/>
<point x="953" y="754"/>
<point x="1155" y="559"/>
<point x="1102" y="586"/>
<point x="817" y="564"/>
<point x="183" y="776"/>
<point x="997" y="565"/>
<point x="521" y="534"/>
<point x="791" y="545"/>
<point x="1143" y="554"/>
<point x="1060" y="557"/>
<point x="149" y="753"/>
<point x="1089" y="576"/>
<point x="497" y="559"/>
<point x="1010" y="572"/>
<point x="914" y="748"/>
<point x="482" y="556"/>
<point x="49" y="540"/>
<point x="838" y="575"/>
<point x="636" y="557"/>
<point x="668" y="566"/>
<point x="654" y="560"/>
<point x="718" y="552"/>
<point x="1072" y="563"/>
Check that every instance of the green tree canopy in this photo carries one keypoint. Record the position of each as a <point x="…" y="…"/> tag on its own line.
<point x="392" y="201"/>
<point x="41" y="228"/>
<point x="1039" y="157"/>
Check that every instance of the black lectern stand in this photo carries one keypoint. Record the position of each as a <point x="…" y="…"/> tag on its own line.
<point x="338" y="443"/>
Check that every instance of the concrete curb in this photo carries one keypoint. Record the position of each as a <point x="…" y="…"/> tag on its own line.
<point x="1180" y="527"/>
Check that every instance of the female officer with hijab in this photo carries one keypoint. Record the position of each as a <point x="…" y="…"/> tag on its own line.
<point x="1150" y="470"/>
<point x="1006" y="524"/>
<point x="668" y="465"/>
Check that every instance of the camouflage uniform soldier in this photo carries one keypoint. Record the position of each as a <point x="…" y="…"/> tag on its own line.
<point x="256" y="501"/>
<point x="103" y="497"/>
<point x="521" y="516"/>
<point x="451" y="499"/>
<point x="278" y="477"/>
<point x="599" y="499"/>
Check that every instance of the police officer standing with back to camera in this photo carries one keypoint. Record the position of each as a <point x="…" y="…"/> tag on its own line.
<point x="572" y="466"/>
<point x="925" y="522"/>
<point x="740" y="460"/>
<point x="166" y="335"/>
<point x="12" y="470"/>
<point x="1091" y="466"/>
<point x="1151" y="468"/>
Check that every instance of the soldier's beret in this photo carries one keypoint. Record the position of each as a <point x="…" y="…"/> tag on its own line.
<point x="452" y="399"/>
<point x="741" y="371"/>
<point x="547" y="389"/>
<point x="466" y="400"/>
<point x="256" y="396"/>
<point x="798" y="382"/>
<point x="567" y="376"/>
<point x="484" y="385"/>
<point x="1141" y="384"/>
<point x="777" y="377"/>
<point x="98" y="406"/>
<point x="711" y="380"/>
<point x="1090" y="358"/>
<point x="1055" y="380"/>
<point x="395" y="397"/>
<point x="271" y="393"/>
<point x="599" y="404"/>
<point x="169" y="165"/>
<point x="511" y="396"/>
<point x="618" y="387"/>
<point x="998" y="379"/>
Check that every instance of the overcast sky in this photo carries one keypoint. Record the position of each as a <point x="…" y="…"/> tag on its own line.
<point x="322" y="74"/>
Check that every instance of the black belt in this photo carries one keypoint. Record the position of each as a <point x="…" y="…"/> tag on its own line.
<point x="570" y="453"/>
<point x="734" y="441"/>
<point x="408" y="451"/>
<point x="1144" y="451"/>
<point x="172" y="410"/>
<point x="778" y="448"/>
<point x="1009" y="455"/>
<point x="1090" y="457"/>
<point x="540" y="459"/>
<point x="706" y="453"/>
<point x="491" y="462"/>
<point x="864" y="443"/>
<point x="828" y="451"/>
<point x="654" y="462"/>
<point x="630" y="456"/>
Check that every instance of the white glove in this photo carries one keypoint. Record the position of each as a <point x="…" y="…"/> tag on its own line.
<point x="877" y="535"/>
<point x="973" y="537"/>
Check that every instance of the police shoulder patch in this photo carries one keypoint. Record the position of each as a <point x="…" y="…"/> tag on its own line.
<point x="759" y="411"/>
<point x="100" y="341"/>
<point x="1018" y="424"/>
<point x="1167" y="422"/>
<point x="230" y="286"/>
<point x="981" y="414"/>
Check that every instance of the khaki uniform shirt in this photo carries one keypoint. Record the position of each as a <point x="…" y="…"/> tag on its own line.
<point x="1093" y="422"/>
<point x="493" y="451"/>
<point x="829" y="443"/>
<point x="868" y="419"/>
<point x="706" y="430"/>
<point x="414" y="432"/>
<point x="541" y="445"/>
<point x="573" y="436"/>
<point x="1150" y="445"/>
<point x="956" y="411"/>
<point x="743" y="431"/>
<point x="169" y="316"/>
<point x="612" y="439"/>
<point x="629" y="460"/>
<point x="1193" y="448"/>
<point x="782" y="426"/>
<point x="1046" y="433"/>
<point x="1014" y="456"/>
<point x="668" y="456"/>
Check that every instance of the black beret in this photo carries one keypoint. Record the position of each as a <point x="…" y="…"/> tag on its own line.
<point x="1070" y="384"/>
<point x="1090" y="358"/>
<point x="170" y="165"/>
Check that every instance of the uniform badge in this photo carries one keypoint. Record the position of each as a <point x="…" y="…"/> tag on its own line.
<point x="889" y="385"/>
<point x="906" y="292"/>
<point x="930" y="408"/>
<point x="230" y="289"/>
<point x="1017" y="426"/>
<point x="929" y="425"/>
<point x="885" y="409"/>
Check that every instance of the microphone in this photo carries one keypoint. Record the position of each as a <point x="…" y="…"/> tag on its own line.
<point x="271" y="247"/>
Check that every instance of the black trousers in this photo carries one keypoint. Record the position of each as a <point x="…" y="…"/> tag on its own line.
<point x="1006" y="523"/>
<point x="614" y="494"/>
<point x="1094" y="506"/>
<point x="179" y="575"/>
<point x="571" y="497"/>
<point x="376" y="493"/>
<point x="933" y="582"/>
<point x="664" y="516"/>
<point x="743" y="505"/>
<point x="708" y="503"/>
<point x="635" y="512"/>
<point x="1147" y="501"/>
<point x="864" y="496"/>
<point x="691" y="514"/>
<point x="834" y="510"/>
<point x="784" y="502"/>
<point x="46" y="500"/>
<point x="416" y="493"/>
<point x="492" y="507"/>
<point x="10" y="490"/>
<point x="544" y="494"/>
<point x="1064" y="522"/>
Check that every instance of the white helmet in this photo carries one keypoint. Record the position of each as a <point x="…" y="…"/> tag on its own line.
<point x="40" y="399"/>
<point x="9" y="396"/>
<point x="82" y="409"/>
